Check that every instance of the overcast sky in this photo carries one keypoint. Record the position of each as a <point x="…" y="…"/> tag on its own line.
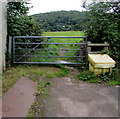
<point x="42" y="6"/>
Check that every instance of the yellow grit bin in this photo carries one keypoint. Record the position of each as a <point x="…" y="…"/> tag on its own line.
<point x="100" y="63"/>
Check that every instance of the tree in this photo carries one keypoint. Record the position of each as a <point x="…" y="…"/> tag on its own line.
<point x="104" y="25"/>
<point x="18" y="22"/>
<point x="62" y="20"/>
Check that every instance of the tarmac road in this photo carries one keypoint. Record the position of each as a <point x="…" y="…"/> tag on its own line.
<point x="68" y="99"/>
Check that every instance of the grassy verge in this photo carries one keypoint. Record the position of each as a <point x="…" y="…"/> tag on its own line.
<point x="42" y="91"/>
<point x="109" y="79"/>
<point x="13" y="74"/>
<point x="40" y="74"/>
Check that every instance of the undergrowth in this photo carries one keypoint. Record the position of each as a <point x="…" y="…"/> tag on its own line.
<point x="11" y="75"/>
<point x="108" y="78"/>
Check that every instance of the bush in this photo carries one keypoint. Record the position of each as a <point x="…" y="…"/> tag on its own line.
<point x="113" y="76"/>
<point x="104" y="26"/>
<point x="108" y="78"/>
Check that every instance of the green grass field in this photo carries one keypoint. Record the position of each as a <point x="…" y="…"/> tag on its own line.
<point x="64" y="33"/>
<point x="59" y="50"/>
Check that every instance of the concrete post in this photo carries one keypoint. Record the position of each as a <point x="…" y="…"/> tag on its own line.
<point x="3" y="33"/>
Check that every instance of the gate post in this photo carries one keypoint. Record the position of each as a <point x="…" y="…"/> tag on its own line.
<point x="13" y="50"/>
<point x="10" y="50"/>
<point x="86" y="52"/>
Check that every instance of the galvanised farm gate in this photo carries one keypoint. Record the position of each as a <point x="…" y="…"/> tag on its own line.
<point x="48" y="50"/>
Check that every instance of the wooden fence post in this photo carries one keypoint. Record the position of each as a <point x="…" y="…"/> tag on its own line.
<point x="106" y="48"/>
<point x="88" y="47"/>
<point x="86" y="53"/>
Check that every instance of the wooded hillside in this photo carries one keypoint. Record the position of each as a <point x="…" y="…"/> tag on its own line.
<point x="62" y="20"/>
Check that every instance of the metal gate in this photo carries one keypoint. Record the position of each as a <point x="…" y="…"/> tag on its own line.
<point x="49" y="50"/>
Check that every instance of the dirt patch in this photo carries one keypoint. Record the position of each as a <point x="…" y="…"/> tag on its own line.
<point x="17" y="101"/>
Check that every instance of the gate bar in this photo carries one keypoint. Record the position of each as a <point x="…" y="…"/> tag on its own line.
<point x="46" y="56"/>
<point x="43" y="49"/>
<point x="49" y="43"/>
<point x="49" y="37"/>
<point x="46" y="63"/>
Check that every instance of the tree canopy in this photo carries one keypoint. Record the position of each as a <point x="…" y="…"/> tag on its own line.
<point x="18" y="22"/>
<point x="62" y="20"/>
